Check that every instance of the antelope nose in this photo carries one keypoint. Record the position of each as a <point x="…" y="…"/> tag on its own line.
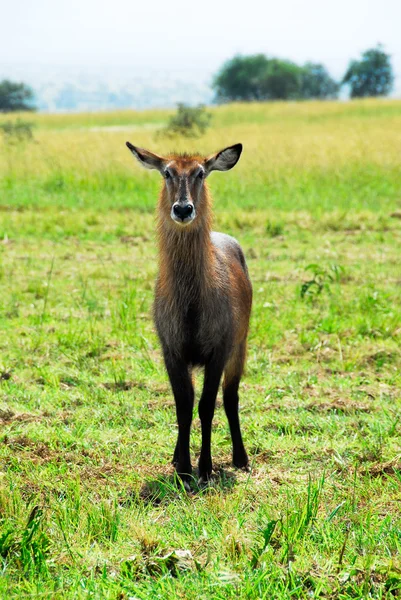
<point x="182" y="212"/>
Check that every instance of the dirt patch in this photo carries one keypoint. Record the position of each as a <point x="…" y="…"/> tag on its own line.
<point x="391" y="467"/>
<point x="125" y="386"/>
<point x="102" y="474"/>
<point x="260" y="457"/>
<point x="22" y="442"/>
<point x="380" y="358"/>
<point x="134" y="240"/>
<point x="8" y="416"/>
<point x="342" y="406"/>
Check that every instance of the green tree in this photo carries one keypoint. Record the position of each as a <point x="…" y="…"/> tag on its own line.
<point x="370" y="76"/>
<point x="240" y="79"/>
<point x="281" y="80"/>
<point x="317" y="83"/>
<point x="258" y="77"/>
<point x="15" y="96"/>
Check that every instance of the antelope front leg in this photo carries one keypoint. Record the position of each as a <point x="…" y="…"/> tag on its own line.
<point x="207" y="403"/>
<point x="183" y="391"/>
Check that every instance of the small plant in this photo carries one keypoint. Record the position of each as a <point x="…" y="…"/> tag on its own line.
<point x="267" y="533"/>
<point x="300" y="518"/>
<point x="103" y="522"/>
<point x="17" y="132"/>
<point x="321" y="280"/>
<point x="27" y="547"/>
<point x="274" y="229"/>
<point x="189" y="122"/>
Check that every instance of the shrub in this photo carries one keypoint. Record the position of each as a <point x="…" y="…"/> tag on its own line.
<point x="190" y="122"/>
<point x="16" y="132"/>
<point x="322" y="278"/>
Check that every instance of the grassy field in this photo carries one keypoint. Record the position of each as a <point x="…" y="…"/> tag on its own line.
<point x="89" y="507"/>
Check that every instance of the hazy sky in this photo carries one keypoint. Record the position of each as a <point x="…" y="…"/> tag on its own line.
<point x="172" y="35"/>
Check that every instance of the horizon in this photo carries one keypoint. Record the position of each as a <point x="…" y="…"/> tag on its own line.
<point x="122" y="46"/>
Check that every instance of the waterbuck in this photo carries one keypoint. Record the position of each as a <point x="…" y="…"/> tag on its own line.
<point x="202" y="301"/>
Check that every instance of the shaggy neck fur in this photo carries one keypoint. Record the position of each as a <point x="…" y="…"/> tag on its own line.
<point x="186" y="257"/>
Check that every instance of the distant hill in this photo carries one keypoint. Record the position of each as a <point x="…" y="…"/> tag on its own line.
<point x="72" y="89"/>
<point x="139" y="93"/>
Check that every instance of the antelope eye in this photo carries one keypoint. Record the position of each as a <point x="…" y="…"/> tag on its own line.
<point x="167" y="175"/>
<point x="201" y="174"/>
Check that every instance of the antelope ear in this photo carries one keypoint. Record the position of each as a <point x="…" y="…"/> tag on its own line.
<point x="147" y="159"/>
<point x="224" y="160"/>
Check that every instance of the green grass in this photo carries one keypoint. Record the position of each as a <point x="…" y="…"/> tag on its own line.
<point x="89" y="507"/>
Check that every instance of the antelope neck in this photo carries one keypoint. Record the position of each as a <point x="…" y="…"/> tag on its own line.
<point x="186" y="260"/>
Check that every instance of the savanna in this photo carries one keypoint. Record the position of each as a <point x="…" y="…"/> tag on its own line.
<point x="89" y="504"/>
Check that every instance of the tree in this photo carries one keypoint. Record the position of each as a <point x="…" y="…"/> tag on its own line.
<point x="15" y="96"/>
<point x="258" y="77"/>
<point x="240" y="78"/>
<point x="370" y="76"/>
<point x="281" y="80"/>
<point x="317" y="83"/>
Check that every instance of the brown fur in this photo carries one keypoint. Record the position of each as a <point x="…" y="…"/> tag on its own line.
<point x="202" y="302"/>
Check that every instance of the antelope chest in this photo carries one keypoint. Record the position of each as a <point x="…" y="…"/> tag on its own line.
<point x="206" y="331"/>
<point x="194" y="330"/>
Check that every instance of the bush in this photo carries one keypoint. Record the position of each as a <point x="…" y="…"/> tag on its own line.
<point x="16" y="132"/>
<point x="15" y="96"/>
<point x="190" y="122"/>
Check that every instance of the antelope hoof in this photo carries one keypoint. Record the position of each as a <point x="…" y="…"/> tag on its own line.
<point x="185" y="476"/>
<point x="204" y="480"/>
<point x="242" y="462"/>
<point x="205" y="471"/>
<point x="184" y="481"/>
<point x="187" y="487"/>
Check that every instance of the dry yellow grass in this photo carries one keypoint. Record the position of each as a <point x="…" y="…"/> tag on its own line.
<point x="278" y="138"/>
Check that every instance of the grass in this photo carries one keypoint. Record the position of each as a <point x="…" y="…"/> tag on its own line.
<point x="89" y="507"/>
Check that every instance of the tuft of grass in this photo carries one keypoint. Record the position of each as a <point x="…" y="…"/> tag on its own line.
<point x="26" y="548"/>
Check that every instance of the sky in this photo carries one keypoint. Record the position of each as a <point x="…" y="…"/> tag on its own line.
<point x="173" y="36"/>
